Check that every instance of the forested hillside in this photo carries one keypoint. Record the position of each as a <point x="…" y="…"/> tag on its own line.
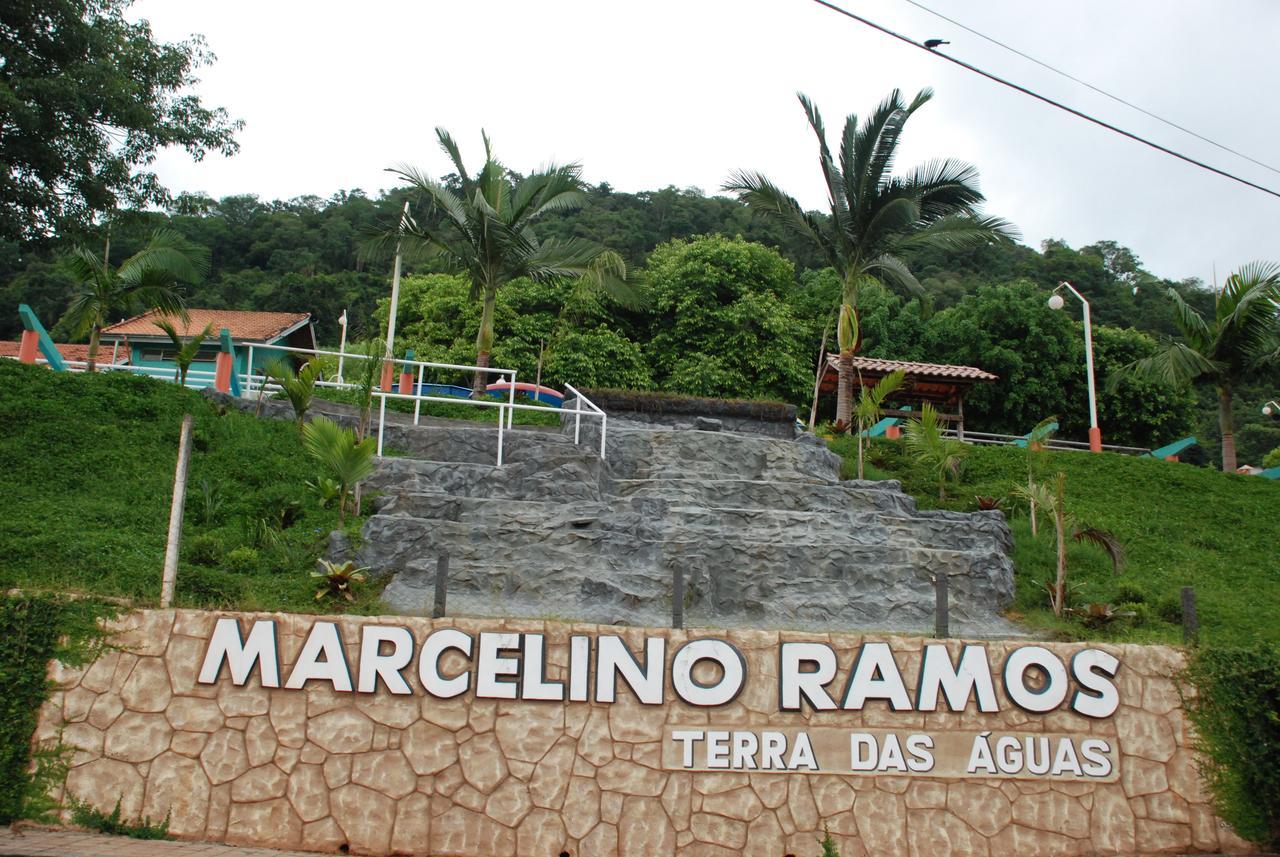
<point x="724" y="317"/>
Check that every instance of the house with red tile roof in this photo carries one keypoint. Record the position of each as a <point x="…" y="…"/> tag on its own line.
<point x="77" y="353"/>
<point x="143" y="344"/>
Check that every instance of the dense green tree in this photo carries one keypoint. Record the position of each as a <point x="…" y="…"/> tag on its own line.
<point x="484" y="230"/>
<point x="1241" y="336"/>
<point x="88" y="98"/>
<point x="720" y="324"/>
<point x="874" y="216"/>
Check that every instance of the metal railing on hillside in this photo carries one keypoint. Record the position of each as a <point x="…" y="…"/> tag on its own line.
<point x="417" y="368"/>
<point x="257" y="383"/>
<point x="993" y="439"/>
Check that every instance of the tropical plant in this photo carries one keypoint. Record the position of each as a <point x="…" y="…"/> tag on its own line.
<point x="870" y="406"/>
<point x="1099" y="614"/>
<point x="873" y="216"/>
<point x="988" y="503"/>
<point x="941" y="456"/>
<point x="146" y="280"/>
<point x="1053" y="500"/>
<point x="339" y="579"/>
<point x="482" y="227"/>
<point x="1037" y="438"/>
<point x="365" y="378"/>
<point x="345" y="461"/>
<point x="298" y="387"/>
<point x="1242" y="336"/>
<point x="186" y="348"/>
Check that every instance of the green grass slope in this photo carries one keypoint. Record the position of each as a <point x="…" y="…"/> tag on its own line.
<point x="1180" y="526"/>
<point x="86" y="476"/>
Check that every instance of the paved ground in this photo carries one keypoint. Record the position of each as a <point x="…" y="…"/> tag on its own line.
<point x="72" y="843"/>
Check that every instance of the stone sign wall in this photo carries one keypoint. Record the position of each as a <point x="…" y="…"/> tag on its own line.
<point x="399" y="735"/>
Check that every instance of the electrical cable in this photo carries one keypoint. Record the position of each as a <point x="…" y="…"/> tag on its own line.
<point x="1096" y="89"/>
<point x="1047" y="100"/>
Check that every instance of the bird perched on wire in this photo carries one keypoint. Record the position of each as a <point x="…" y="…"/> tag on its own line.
<point x="933" y="43"/>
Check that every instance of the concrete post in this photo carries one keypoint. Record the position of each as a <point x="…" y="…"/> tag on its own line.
<point x="170" y="574"/>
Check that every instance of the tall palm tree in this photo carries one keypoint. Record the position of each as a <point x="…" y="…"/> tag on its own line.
<point x="1242" y="336"/>
<point x="483" y="228"/>
<point x="146" y="280"/>
<point x="185" y="349"/>
<point x="874" y="216"/>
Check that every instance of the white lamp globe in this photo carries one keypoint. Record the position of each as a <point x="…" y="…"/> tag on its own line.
<point x="1056" y="302"/>
<point x="1266" y="410"/>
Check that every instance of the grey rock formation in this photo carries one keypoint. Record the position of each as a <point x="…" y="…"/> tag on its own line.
<point x="764" y="530"/>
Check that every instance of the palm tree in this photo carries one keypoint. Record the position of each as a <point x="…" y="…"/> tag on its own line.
<point x="1037" y="439"/>
<point x="874" y="216"/>
<point x="347" y="461"/>
<point x="185" y="349"/>
<point x="870" y="406"/>
<point x="483" y="228"/>
<point x="299" y="387"/>
<point x="1243" y="335"/>
<point x="938" y="454"/>
<point x="144" y="281"/>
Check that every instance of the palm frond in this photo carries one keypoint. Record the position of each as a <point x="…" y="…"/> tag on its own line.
<point x="1104" y="539"/>
<point x="958" y="232"/>
<point x="1176" y="364"/>
<point x="762" y="195"/>
<point x="451" y="149"/>
<point x="895" y="271"/>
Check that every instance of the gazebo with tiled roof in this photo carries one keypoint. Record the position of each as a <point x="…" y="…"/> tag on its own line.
<point x="940" y="385"/>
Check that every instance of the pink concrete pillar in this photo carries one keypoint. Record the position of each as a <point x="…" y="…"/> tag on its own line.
<point x="388" y="371"/>
<point x="893" y="432"/>
<point x="29" y="347"/>
<point x="1095" y="439"/>
<point x="406" y="383"/>
<point x="222" y="372"/>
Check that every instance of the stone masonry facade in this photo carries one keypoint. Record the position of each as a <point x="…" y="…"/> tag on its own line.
<point x="377" y="774"/>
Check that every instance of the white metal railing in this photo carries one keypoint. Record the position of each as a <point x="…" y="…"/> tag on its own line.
<point x="993" y="439"/>
<point x="506" y="409"/>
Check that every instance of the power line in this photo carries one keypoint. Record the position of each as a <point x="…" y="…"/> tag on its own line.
<point x="1047" y="100"/>
<point x="1096" y="89"/>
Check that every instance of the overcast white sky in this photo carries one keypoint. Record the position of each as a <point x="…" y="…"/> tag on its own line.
<point x="659" y="92"/>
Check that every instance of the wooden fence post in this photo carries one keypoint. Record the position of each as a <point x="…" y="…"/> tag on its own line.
<point x="1190" y="621"/>
<point x="941" y="607"/>
<point x="442" y="585"/>
<point x="170" y="575"/>
<point x="677" y="596"/>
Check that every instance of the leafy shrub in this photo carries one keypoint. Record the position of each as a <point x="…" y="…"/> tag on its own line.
<point x="205" y="549"/>
<point x="678" y="405"/>
<point x="1169" y="608"/>
<point x="1272" y="458"/>
<point x="33" y="631"/>
<point x="1130" y="593"/>
<point x="242" y="560"/>
<point x="90" y="817"/>
<point x="1234" y="711"/>
<point x="210" y="587"/>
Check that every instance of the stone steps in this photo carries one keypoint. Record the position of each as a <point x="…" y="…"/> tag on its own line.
<point x="763" y="530"/>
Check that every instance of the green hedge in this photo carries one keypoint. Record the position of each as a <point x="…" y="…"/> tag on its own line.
<point x="1236" y="714"/>
<point x="34" y="631"/>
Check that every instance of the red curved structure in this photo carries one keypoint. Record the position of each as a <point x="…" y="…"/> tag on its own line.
<point x="530" y="390"/>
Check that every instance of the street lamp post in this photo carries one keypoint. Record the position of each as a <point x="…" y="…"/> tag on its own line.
<point x="387" y="371"/>
<point x="1056" y="302"/>
<point x="342" y="346"/>
<point x="1270" y="408"/>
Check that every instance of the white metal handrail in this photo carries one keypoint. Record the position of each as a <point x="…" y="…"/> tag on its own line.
<point x="261" y="384"/>
<point x="993" y="439"/>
